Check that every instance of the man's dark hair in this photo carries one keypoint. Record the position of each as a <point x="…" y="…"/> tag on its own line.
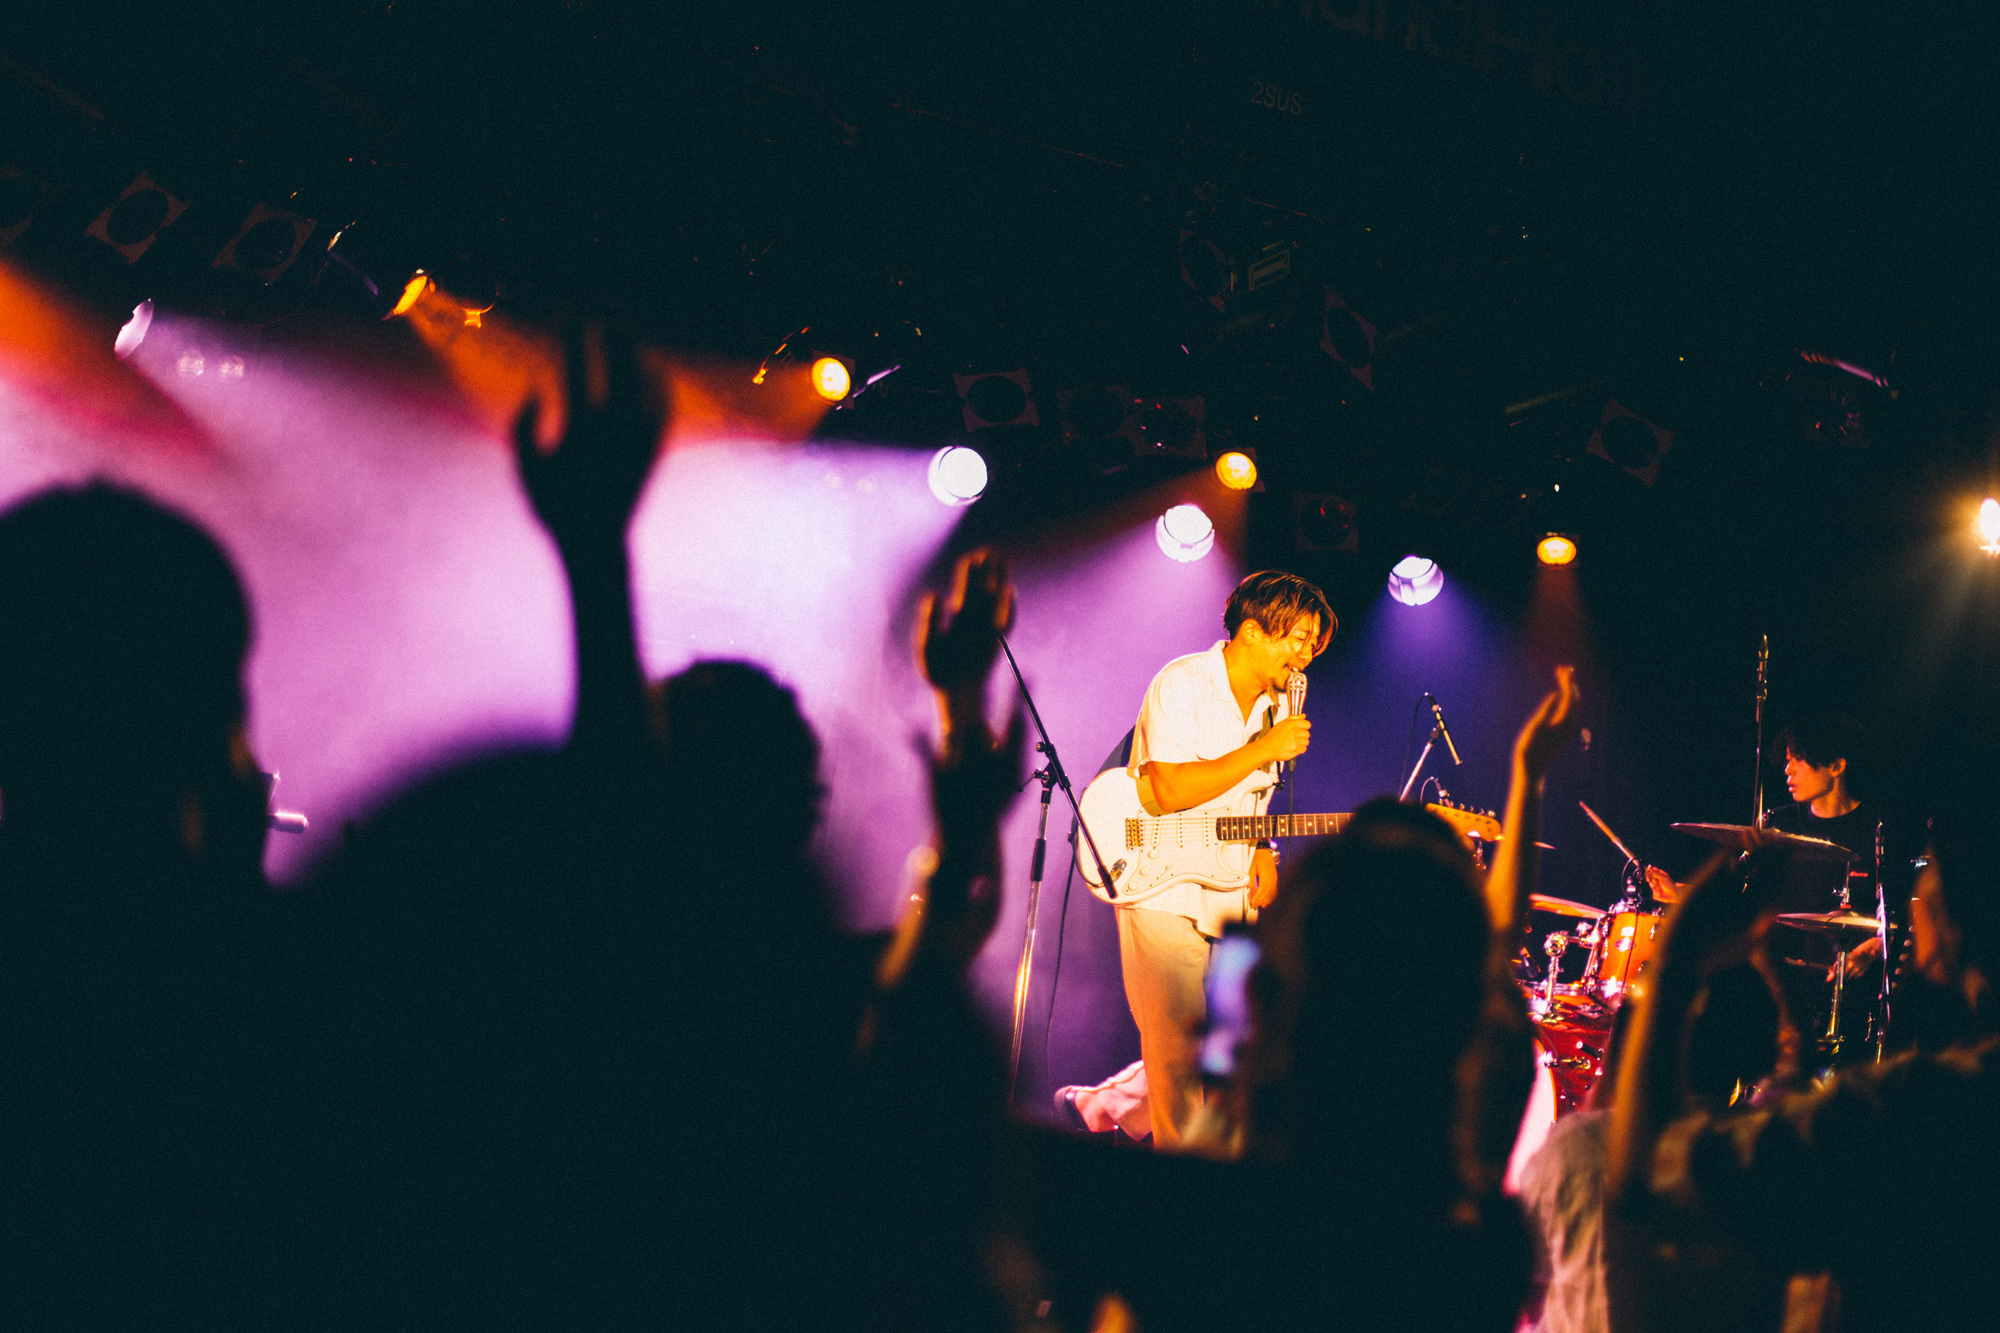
<point x="1276" y="601"/>
<point x="1821" y="738"/>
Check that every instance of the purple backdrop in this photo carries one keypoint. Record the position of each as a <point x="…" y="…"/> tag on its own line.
<point x="408" y="610"/>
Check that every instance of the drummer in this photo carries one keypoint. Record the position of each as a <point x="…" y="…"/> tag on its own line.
<point x="1823" y="754"/>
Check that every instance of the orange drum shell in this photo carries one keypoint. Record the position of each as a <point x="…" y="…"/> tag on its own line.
<point x="1623" y="951"/>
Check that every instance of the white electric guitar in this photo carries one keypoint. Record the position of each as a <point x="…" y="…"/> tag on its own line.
<point x="1147" y="853"/>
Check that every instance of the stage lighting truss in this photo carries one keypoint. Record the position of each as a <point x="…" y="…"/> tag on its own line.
<point x="1101" y="425"/>
<point x="997" y="398"/>
<point x="1629" y="441"/>
<point x="1415" y="580"/>
<point x="136" y="218"/>
<point x="1348" y="338"/>
<point x="1322" y="521"/>
<point x="1185" y="533"/>
<point x="1226" y="259"/>
<point x="1173" y="428"/>
<point x="265" y="245"/>
<point x="21" y="198"/>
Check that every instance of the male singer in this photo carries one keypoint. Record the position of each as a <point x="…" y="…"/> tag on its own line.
<point x="1213" y="728"/>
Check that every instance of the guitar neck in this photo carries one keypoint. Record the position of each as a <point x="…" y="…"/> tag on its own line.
<point x="1256" y="828"/>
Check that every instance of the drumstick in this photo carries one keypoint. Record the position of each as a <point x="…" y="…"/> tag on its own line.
<point x="1606" y="830"/>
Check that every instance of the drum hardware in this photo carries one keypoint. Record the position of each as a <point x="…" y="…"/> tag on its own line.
<point x="1586" y="1059"/>
<point x="1744" y="837"/>
<point x="1555" y="946"/>
<point x="1840" y="925"/>
<point x="1845" y="928"/>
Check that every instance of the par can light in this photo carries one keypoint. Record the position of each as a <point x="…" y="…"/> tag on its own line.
<point x="1415" y="580"/>
<point x="1556" y="549"/>
<point x="1185" y="533"/>
<point x="1236" y="470"/>
<point x="831" y="379"/>
<point x="957" y="475"/>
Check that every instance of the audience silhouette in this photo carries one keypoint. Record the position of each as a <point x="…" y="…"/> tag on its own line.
<point x="571" y="1036"/>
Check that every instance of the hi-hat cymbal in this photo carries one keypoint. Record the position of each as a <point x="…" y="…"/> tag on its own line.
<point x="1829" y="923"/>
<point x="1745" y="836"/>
<point x="1542" y="902"/>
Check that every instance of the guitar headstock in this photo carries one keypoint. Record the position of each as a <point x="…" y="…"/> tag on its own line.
<point x="1468" y="820"/>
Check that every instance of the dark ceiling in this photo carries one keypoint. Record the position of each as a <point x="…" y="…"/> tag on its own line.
<point x="1537" y="207"/>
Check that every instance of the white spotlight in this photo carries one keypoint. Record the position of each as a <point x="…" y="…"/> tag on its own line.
<point x="1185" y="533"/>
<point x="958" y="475"/>
<point x="134" y="331"/>
<point x="1415" y="580"/>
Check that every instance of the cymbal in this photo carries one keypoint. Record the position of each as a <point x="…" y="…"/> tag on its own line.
<point x="1740" y="836"/>
<point x="1542" y="902"/>
<point x="1829" y="923"/>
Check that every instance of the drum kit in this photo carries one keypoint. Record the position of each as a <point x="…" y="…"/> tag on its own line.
<point x="1573" y="1007"/>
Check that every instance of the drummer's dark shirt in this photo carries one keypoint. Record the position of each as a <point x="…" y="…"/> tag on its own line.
<point x="1815" y="885"/>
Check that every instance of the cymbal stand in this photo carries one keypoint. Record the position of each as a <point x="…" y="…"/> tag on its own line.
<point x="1832" y="1039"/>
<point x="1763" y="692"/>
<point x="1882" y="935"/>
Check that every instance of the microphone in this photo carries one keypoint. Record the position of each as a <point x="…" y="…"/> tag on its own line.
<point x="1443" y="730"/>
<point x="1295" y="697"/>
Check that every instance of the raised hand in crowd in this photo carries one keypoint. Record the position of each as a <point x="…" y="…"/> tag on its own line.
<point x="1548" y="730"/>
<point x="584" y="487"/>
<point x="974" y="777"/>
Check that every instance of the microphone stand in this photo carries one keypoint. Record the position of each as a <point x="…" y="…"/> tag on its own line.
<point x="1423" y="755"/>
<point x="1051" y="775"/>
<point x="1763" y="692"/>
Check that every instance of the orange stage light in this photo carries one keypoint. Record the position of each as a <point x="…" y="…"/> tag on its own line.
<point x="1556" y="549"/>
<point x="1987" y="526"/>
<point x="831" y="379"/>
<point x="1236" y="470"/>
<point x="413" y="291"/>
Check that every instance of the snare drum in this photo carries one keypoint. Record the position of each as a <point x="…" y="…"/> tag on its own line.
<point x="1572" y="1039"/>
<point x="1624" y="947"/>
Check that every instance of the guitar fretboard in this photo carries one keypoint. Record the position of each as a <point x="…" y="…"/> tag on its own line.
<point x="1255" y="828"/>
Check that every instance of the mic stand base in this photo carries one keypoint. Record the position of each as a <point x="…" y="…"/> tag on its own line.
<point x="1025" y="972"/>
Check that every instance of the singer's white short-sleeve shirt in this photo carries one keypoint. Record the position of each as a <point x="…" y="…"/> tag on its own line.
<point x="1190" y="714"/>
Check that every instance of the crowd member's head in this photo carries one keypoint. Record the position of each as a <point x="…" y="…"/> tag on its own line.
<point x="1282" y="620"/>
<point x="1822" y="751"/>
<point x="1735" y="1039"/>
<point x="1955" y="908"/>
<point x="123" y="631"/>
<point x="738" y="735"/>
<point x="1317" y="1086"/>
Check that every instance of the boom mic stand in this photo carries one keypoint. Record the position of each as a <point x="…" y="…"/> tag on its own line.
<point x="1051" y="776"/>
<point x="1423" y="756"/>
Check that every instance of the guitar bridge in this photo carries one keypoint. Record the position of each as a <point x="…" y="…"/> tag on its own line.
<point x="1132" y="834"/>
